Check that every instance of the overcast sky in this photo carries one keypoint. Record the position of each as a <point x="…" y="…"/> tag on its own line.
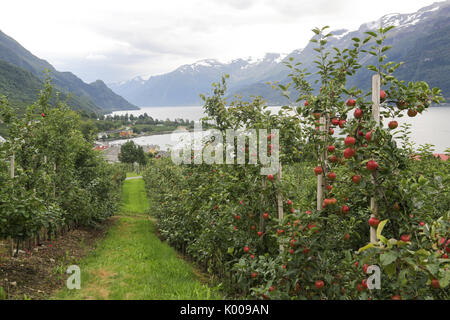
<point x="118" y="40"/>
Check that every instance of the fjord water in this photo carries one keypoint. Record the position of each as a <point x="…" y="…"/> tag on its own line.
<point x="431" y="127"/>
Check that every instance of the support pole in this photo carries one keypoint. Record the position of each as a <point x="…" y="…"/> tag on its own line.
<point x="320" y="177"/>
<point x="376" y="88"/>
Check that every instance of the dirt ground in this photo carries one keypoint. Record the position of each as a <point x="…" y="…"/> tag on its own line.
<point x="37" y="274"/>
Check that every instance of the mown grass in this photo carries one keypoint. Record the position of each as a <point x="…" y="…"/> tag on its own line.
<point x="131" y="263"/>
<point x="134" y="197"/>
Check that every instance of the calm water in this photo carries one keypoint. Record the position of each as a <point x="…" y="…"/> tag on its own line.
<point x="430" y="127"/>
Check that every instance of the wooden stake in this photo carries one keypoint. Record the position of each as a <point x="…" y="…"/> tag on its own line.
<point x="320" y="177"/>
<point x="280" y="201"/>
<point x="11" y="241"/>
<point x="376" y="88"/>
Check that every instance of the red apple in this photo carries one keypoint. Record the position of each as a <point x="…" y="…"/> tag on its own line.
<point x="335" y="121"/>
<point x="319" y="284"/>
<point x="412" y="112"/>
<point x="405" y="238"/>
<point x="342" y="123"/>
<point x="358" y="113"/>
<point x="331" y="175"/>
<point x="393" y="124"/>
<point x="331" y="148"/>
<point x="349" y="141"/>
<point x="373" y="222"/>
<point x="435" y="284"/>
<point x="369" y="136"/>
<point x="265" y="215"/>
<point x="246" y="249"/>
<point x="348" y="153"/>
<point x="345" y="209"/>
<point x="318" y="170"/>
<point x="306" y="103"/>
<point x="351" y="102"/>
<point x="270" y="177"/>
<point x="356" y="178"/>
<point x="372" y="165"/>
<point x="382" y="95"/>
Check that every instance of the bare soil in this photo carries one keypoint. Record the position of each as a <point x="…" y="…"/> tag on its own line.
<point x="36" y="274"/>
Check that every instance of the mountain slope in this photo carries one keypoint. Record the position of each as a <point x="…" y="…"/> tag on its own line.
<point x="91" y="97"/>
<point x="420" y="40"/>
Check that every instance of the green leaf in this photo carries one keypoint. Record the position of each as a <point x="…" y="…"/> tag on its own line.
<point x="381" y="227"/>
<point x="387" y="258"/>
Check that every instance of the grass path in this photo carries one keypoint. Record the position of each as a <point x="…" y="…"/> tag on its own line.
<point x="132" y="263"/>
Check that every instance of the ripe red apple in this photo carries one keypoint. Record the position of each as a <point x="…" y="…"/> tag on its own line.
<point x="291" y="251"/>
<point x="369" y="136"/>
<point x="237" y="217"/>
<point x="356" y="264"/>
<point x="270" y="177"/>
<point x="342" y="123"/>
<point x="289" y="202"/>
<point x="308" y="212"/>
<point x="393" y="124"/>
<point x="382" y="95"/>
<point x="345" y="209"/>
<point x="260" y="233"/>
<point x="331" y="131"/>
<point x="435" y="284"/>
<point x="356" y="178"/>
<point x="412" y="112"/>
<point x="292" y="210"/>
<point x="43" y="114"/>
<point x="358" y="113"/>
<point x="272" y="288"/>
<point x="445" y="256"/>
<point x="246" y="249"/>
<point x="359" y="287"/>
<point x="318" y="170"/>
<point x="351" y="102"/>
<point x="396" y="297"/>
<point x="333" y="159"/>
<point x="280" y="231"/>
<point x="348" y="153"/>
<point x="253" y="227"/>
<point x="422" y="223"/>
<point x="373" y="222"/>
<point x="365" y="266"/>
<point x="254" y="274"/>
<point x="319" y="284"/>
<point x="349" y="141"/>
<point x="372" y="165"/>
<point x="364" y="283"/>
<point x="405" y="238"/>
<point x="347" y="236"/>
<point x="331" y="148"/>
<point x="335" y="121"/>
<point x="329" y="187"/>
<point x="306" y="103"/>
<point x="265" y="215"/>
<point x="331" y="175"/>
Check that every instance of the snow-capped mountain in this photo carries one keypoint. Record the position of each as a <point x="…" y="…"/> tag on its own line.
<point x="183" y="85"/>
<point x="420" y="39"/>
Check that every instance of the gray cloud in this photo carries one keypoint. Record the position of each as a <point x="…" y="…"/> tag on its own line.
<point x="115" y="41"/>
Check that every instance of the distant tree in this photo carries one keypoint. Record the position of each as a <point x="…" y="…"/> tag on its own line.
<point x="140" y="156"/>
<point x="128" y="152"/>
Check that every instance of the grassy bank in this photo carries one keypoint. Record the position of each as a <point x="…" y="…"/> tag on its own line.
<point x="132" y="263"/>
